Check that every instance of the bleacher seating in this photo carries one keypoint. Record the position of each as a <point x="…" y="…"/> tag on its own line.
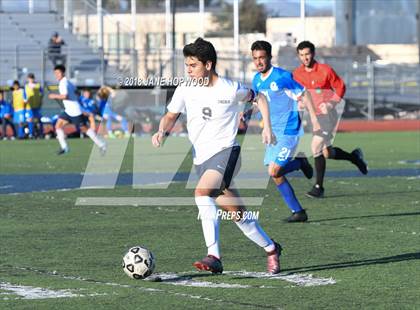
<point x="24" y="37"/>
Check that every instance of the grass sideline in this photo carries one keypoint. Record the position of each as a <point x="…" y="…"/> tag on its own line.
<point x="364" y="235"/>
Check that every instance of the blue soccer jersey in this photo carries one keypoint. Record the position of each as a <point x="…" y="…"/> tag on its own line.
<point x="5" y="108"/>
<point x="88" y="105"/>
<point x="101" y="106"/>
<point x="282" y="93"/>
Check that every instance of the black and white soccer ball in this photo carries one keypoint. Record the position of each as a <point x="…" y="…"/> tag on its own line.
<point x="138" y="262"/>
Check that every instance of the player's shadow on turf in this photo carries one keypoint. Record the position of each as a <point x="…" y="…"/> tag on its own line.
<point x="356" y="263"/>
<point x="186" y="277"/>
<point x="365" y="216"/>
<point x="370" y="194"/>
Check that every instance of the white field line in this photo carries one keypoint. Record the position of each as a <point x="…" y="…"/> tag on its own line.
<point x="143" y="289"/>
<point x="413" y="233"/>
<point x="182" y="279"/>
<point x="44" y="191"/>
<point x="415" y="162"/>
<point x="30" y="292"/>
<point x="298" y="279"/>
<point x="185" y="280"/>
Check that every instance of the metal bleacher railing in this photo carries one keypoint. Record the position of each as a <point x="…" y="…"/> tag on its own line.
<point x="373" y="89"/>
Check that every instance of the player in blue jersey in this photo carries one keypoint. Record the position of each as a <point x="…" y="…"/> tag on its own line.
<point x="108" y="114"/>
<point x="283" y="94"/>
<point x="89" y="107"/>
<point x="6" y="116"/>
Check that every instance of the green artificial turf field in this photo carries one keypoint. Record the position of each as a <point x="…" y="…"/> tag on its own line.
<point x="360" y="248"/>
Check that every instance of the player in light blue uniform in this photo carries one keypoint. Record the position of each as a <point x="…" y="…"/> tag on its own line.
<point x="282" y="94"/>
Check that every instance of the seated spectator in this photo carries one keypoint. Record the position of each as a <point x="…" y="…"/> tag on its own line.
<point x="6" y="117"/>
<point x="54" y="49"/>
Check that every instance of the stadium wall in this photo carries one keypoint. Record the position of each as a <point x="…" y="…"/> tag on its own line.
<point x="379" y="125"/>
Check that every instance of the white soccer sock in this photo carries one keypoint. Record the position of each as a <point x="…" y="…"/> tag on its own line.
<point x="91" y="134"/>
<point x="61" y="138"/>
<point x="210" y="223"/>
<point x="252" y="229"/>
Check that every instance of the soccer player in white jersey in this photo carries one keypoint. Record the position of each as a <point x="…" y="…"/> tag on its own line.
<point x="212" y="122"/>
<point x="72" y="112"/>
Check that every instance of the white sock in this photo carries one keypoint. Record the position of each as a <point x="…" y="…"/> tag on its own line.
<point x="210" y="223"/>
<point x="91" y="134"/>
<point x="61" y="137"/>
<point x="252" y="229"/>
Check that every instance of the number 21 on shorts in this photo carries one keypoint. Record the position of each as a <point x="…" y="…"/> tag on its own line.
<point x="284" y="153"/>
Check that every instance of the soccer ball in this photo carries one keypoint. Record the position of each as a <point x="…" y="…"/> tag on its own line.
<point x="138" y="263"/>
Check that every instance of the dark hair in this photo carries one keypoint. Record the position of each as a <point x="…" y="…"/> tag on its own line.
<point x="261" y="46"/>
<point x="31" y="76"/>
<point x="203" y="50"/>
<point x="60" y="68"/>
<point x="306" y="44"/>
<point x="16" y="82"/>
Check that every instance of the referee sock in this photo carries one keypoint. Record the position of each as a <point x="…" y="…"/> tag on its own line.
<point x="91" y="134"/>
<point x="209" y="223"/>
<point x="61" y="138"/>
<point x="289" y="196"/>
<point x="320" y="169"/>
<point x="339" y="154"/>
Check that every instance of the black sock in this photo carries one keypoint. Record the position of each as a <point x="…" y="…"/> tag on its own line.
<point x="339" y="154"/>
<point x="320" y="169"/>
